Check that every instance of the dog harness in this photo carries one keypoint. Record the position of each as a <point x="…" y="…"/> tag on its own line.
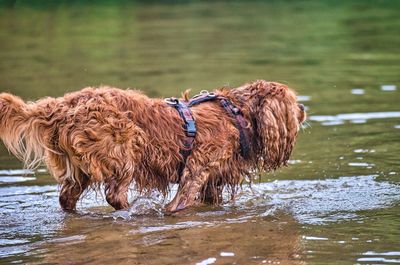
<point x="183" y="108"/>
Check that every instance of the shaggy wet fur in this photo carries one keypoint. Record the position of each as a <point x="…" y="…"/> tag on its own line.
<point x="118" y="137"/>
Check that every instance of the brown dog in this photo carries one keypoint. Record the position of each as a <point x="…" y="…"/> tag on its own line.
<point x="118" y="137"/>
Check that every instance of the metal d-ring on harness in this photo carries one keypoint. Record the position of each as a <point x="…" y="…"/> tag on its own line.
<point x="183" y="108"/>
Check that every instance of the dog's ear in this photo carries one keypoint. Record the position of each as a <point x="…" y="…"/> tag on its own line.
<point x="277" y="124"/>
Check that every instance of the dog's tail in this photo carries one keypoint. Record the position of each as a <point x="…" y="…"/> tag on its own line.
<point x="19" y="132"/>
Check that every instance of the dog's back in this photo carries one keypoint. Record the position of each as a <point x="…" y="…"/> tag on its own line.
<point x="96" y="133"/>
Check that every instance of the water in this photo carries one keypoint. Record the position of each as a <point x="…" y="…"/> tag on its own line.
<point x="338" y="201"/>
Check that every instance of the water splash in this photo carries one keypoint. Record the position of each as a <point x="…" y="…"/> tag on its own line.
<point x="151" y="204"/>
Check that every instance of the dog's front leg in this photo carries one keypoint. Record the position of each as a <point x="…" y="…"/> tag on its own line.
<point x="189" y="191"/>
<point x="117" y="192"/>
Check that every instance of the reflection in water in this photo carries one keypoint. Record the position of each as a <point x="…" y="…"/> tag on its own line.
<point x="277" y="241"/>
<point x="261" y="225"/>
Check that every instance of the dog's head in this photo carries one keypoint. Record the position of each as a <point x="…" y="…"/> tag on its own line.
<point x="276" y="117"/>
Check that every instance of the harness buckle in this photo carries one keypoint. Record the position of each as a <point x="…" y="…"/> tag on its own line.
<point x="171" y="101"/>
<point x="191" y="128"/>
<point x="236" y="111"/>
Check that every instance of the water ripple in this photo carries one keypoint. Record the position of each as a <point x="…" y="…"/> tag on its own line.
<point x="339" y="119"/>
<point x="322" y="201"/>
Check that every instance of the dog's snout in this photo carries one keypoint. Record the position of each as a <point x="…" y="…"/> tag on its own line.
<point x="302" y="113"/>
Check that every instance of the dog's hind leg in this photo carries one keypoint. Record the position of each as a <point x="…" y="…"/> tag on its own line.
<point x="71" y="191"/>
<point x="212" y="193"/>
<point x="117" y="192"/>
<point x="189" y="191"/>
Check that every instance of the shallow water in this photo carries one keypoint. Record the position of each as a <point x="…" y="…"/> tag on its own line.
<point x="338" y="201"/>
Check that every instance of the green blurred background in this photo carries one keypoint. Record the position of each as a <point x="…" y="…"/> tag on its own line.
<point x="323" y="49"/>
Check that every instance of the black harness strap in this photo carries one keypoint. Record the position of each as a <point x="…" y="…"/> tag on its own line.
<point x="189" y="126"/>
<point x="241" y="125"/>
<point x="183" y="108"/>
